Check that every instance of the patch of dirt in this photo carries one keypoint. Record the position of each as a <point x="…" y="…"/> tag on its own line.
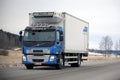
<point x="13" y="58"/>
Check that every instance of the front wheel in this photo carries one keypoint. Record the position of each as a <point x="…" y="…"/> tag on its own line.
<point x="60" y="61"/>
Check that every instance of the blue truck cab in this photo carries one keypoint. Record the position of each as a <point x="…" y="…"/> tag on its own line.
<point x="42" y="46"/>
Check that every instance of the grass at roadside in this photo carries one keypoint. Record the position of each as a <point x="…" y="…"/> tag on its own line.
<point x="96" y="57"/>
<point x="14" y="58"/>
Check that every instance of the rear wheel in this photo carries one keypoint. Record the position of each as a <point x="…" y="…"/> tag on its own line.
<point x="29" y="66"/>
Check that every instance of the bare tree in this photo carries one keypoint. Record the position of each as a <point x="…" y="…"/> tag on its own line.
<point x="117" y="45"/>
<point x="106" y="44"/>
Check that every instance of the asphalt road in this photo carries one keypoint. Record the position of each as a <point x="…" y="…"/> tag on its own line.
<point x="104" y="70"/>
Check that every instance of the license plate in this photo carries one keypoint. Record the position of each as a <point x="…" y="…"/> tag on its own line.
<point x="38" y="63"/>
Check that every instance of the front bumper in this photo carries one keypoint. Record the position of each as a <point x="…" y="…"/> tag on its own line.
<point x="38" y="60"/>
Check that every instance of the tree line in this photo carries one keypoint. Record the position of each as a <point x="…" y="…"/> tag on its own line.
<point x="106" y="44"/>
<point x="8" y="40"/>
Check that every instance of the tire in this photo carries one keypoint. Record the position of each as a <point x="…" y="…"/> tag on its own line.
<point x="78" y="62"/>
<point x="29" y="66"/>
<point x="60" y="61"/>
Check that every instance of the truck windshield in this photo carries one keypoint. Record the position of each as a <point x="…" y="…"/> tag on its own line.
<point x="39" y="36"/>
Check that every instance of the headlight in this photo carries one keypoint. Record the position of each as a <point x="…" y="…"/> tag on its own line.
<point x="24" y="58"/>
<point x="52" y="58"/>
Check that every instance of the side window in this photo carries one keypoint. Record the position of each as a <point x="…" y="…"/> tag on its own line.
<point x="58" y="36"/>
<point x="26" y="35"/>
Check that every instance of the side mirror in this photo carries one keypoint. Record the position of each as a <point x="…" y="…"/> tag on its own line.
<point x="20" y="37"/>
<point x="61" y="38"/>
<point x="20" y="33"/>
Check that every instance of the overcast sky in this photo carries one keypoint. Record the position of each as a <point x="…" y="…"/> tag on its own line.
<point x="103" y="15"/>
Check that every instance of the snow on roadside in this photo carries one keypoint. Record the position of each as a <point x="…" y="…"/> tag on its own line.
<point x="95" y="54"/>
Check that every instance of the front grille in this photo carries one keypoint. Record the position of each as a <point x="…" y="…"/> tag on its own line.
<point x="38" y="60"/>
<point x="33" y="51"/>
